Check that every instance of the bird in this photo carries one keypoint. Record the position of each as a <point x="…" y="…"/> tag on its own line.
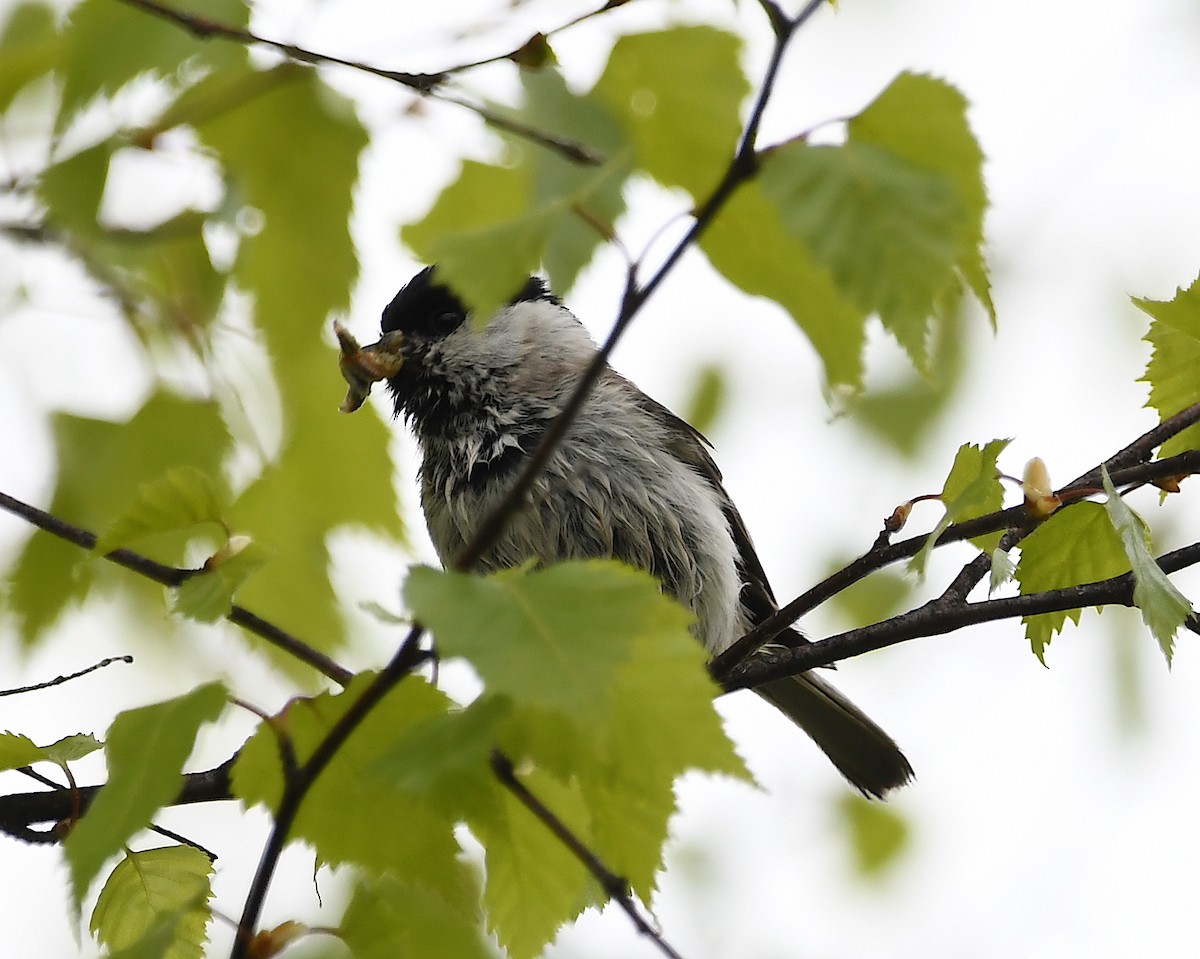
<point x="629" y="480"/>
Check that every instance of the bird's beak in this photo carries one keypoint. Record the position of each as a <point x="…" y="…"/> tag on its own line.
<point x="363" y="366"/>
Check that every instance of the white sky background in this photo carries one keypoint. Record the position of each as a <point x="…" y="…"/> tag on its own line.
<point x="1042" y="825"/>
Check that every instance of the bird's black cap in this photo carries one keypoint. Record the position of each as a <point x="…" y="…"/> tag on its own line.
<point x="427" y="307"/>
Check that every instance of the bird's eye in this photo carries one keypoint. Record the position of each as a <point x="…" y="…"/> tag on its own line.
<point x="444" y="323"/>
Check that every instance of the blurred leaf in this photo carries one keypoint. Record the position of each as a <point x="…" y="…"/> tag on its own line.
<point x="1162" y="606"/>
<point x="890" y="232"/>
<point x="182" y="498"/>
<point x="485" y="233"/>
<point x="29" y="48"/>
<point x="678" y="95"/>
<point x="155" y="903"/>
<point x="878" y="834"/>
<point x="707" y="399"/>
<point x="873" y="599"/>
<point x="387" y="919"/>
<point x="972" y="489"/>
<point x="1175" y="336"/>
<point x="488" y="229"/>
<point x="208" y="595"/>
<point x="748" y="245"/>
<point x="108" y="44"/>
<point x="17" y="749"/>
<point x="146" y="749"/>
<point x="1003" y="570"/>
<point x="169" y="268"/>
<point x="923" y="120"/>
<point x="903" y="416"/>
<point x="595" y="195"/>
<point x="98" y="464"/>
<point x="334" y="470"/>
<point x="352" y="814"/>
<point x="1076" y="545"/>
<point x="72" y="190"/>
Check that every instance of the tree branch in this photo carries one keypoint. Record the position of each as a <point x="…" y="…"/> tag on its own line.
<point x="172" y="577"/>
<point x="20" y="811"/>
<point x="1015" y="520"/>
<point x="945" y="615"/>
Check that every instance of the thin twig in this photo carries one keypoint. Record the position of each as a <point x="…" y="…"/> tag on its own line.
<point x="172" y="576"/>
<point x="424" y="84"/>
<point x="616" y="888"/>
<point x="59" y="680"/>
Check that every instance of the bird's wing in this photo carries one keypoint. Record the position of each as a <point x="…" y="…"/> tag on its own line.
<point x="690" y="446"/>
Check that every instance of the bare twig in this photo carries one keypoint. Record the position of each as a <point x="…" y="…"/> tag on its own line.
<point x="172" y="576"/>
<point x="59" y="680"/>
<point x="616" y="888"/>
<point x="424" y="84"/>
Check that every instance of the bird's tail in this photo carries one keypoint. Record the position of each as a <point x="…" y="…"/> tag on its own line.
<point x="862" y="752"/>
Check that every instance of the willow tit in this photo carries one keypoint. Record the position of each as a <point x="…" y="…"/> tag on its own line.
<point x="629" y="480"/>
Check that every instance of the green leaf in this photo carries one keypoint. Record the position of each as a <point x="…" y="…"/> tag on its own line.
<point x="972" y="489"/>
<point x="155" y="903"/>
<point x="1162" y="606"/>
<point x="663" y="723"/>
<point x="902" y="416"/>
<point x="29" y="48"/>
<point x="552" y="638"/>
<point x="534" y="883"/>
<point x="184" y="497"/>
<point x="70" y="748"/>
<point x="489" y="228"/>
<point x="877" y="833"/>
<point x="445" y="759"/>
<point x="594" y="197"/>
<point x="336" y="466"/>
<point x="1175" y="336"/>
<point x="890" y="232"/>
<point x="749" y="246"/>
<point x="340" y="816"/>
<point x="18" y="750"/>
<point x="107" y="45"/>
<point x="98" y="464"/>
<point x="208" y="595"/>
<point x="678" y="95"/>
<point x="923" y="120"/>
<point x="387" y="919"/>
<point x="146" y="749"/>
<point x="1076" y="545"/>
<point x="1003" y="569"/>
<point x="485" y="232"/>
